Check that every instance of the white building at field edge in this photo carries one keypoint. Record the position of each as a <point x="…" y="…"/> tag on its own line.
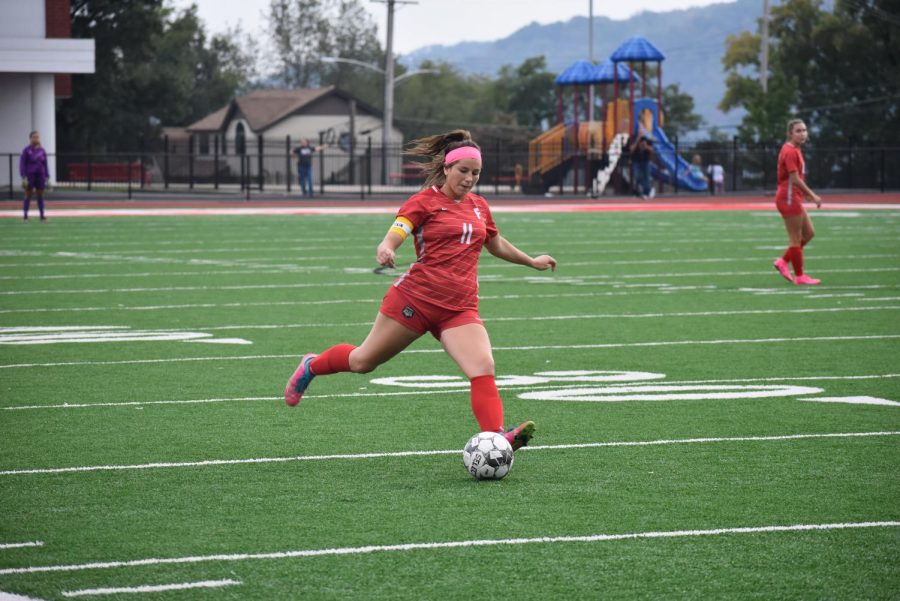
<point x="37" y="58"/>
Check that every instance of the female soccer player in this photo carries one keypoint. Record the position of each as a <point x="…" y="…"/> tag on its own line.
<point x="792" y="189"/>
<point x="439" y="292"/>
<point x="34" y="172"/>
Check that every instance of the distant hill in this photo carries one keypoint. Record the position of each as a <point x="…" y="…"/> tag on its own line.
<point x="693" y="41"/>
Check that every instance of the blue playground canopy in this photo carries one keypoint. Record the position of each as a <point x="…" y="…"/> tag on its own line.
<point x="581" y="72"/>
<point x="603" y="73"/>
<point x="637" y="49"/>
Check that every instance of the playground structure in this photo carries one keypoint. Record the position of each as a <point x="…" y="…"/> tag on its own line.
<point x="589" y="150"/>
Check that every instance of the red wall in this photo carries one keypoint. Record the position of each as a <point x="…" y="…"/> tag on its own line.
<point x="59" y="25"/>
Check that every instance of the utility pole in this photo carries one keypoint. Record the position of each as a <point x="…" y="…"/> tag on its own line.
<point x="590" y="58"/>
<point x="764" y="50"/>
<point x="389" y="84"/>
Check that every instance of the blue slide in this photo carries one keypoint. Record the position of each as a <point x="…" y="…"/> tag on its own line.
<point x="664" y="151"/>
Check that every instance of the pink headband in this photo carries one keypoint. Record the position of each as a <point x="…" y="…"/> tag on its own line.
<point x="463" y="152"/>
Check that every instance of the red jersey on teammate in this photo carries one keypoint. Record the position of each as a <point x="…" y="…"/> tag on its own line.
<point x="449" y="236"/>
<point x="789" y="198"/>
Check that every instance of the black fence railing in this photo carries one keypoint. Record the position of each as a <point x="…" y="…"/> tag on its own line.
<point x="369" y="172"/>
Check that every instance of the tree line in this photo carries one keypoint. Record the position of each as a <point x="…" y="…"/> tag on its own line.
<point x="157" y="66"/>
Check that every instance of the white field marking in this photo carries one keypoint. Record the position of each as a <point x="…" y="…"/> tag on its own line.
<point x="190" y="306"/>
<point x="592" y="538"/>
<point x="531" y="279"/>
<point x="854" y="400"/>
<point x="163" y="274"/>
<point x="842" y="295"/>
<point x="556" y="317"/>
<point x="11" y="597"/>
<point x="92" y="334"/>
<point x="221" y="341"/>
<point x="191" y="288"/>
<point x="690" y="261"/>
<point x="34" y="543"/>
<point x="496" y="348"/>
<point x="451" y="387"/>
<point x="879" y="298"/>
<point x="150" y="588"/>
<point x="395" y="454"/>
<point x="668" y="392"/>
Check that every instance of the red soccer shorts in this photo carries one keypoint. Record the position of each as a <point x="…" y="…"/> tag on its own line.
<point x="789" y="210"/>
<point x="421" y="316"/>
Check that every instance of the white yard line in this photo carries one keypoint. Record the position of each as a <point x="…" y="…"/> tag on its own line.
<point x="34" y="543"/>
<point x="364" y="550"/>
<point x="418" y="393"/>
<point x="496" y="348"/>
<point x="154" y="588"/>
<point x="395" y="454"/>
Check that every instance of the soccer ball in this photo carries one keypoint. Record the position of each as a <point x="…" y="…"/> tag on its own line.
<point x="488" y="456"/>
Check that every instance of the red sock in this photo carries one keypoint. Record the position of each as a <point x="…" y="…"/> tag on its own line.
<point x="787" y="254"/>
<point x="334" y="360"/>
<point x="796" y="259"/>
<point x="486" y="404"/>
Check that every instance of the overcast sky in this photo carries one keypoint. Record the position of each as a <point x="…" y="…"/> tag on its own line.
<point x="445" y="22"/>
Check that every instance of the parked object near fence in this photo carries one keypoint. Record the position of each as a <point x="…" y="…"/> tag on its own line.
<point x="108" y="172"/>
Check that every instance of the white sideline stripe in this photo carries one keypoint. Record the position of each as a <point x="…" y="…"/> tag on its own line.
<point x="151" y="588"/>
<point x="585" y="445"/>
<point x="496" y="348"/>
<point x="11" y="597"/>
<point x="382" y="283"/>
<point x="191" y="306"/>
<point x="593" y="538"/>
<point x="417" y="393"/>
<point x="34" y="543"/>
<point x="658" y="288"/>
<point x="567" y="317"/>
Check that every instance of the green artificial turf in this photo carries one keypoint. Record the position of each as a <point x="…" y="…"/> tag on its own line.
<point x="689" y="297"/>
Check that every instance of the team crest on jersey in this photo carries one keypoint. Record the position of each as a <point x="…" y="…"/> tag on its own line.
<point x="477" y="212"/>
<point x="408" y="312"/>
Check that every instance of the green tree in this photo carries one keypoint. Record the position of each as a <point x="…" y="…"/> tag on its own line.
<point x="678" y="112"/>
<point x="839" y="70"/>
<point x="153" y="67"/>
<point x="305" y="31"/>
<point x="527" y="91"/>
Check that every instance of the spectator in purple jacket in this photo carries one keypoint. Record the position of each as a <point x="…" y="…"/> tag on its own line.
<point x="34" y="172"/>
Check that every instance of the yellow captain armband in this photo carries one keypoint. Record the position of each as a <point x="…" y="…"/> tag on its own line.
<point x="402" y="226"/>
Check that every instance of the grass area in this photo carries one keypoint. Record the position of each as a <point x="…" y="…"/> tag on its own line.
<point x="162" y="436"/>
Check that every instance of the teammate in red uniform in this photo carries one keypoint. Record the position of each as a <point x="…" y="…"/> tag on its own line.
<point x="792" y="190"/>
<point x="439" y="292"/>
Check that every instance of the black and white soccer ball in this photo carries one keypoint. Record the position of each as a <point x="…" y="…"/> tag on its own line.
<point x="488" y="456"/>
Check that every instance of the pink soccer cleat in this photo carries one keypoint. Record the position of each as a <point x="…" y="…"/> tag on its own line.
<point x="782" y="266"/>
<point x="298" y="383"/>
<point x="805" y="280"/>
<point x="518" y="437"/>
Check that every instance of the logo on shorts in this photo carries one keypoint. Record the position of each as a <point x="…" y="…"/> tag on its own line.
<point x="408" y="312"/>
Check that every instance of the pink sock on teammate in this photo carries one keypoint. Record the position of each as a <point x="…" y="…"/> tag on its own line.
<point x="334" y="360"/>
<point x="486" y="404"/>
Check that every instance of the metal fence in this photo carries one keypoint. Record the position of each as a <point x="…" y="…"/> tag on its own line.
<point x="369" y="172"/>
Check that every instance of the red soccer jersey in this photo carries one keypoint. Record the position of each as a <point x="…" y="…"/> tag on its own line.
<point x="790" y="159"/>
<point x="448" y="236"/>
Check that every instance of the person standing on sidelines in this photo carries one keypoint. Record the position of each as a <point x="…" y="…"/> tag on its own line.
<point x="305" y="152"/>
<point x="716" y="177"/>
<point x="34" y="172"/>
<point x="439" y="292"/>
<point x="792" y="190"/>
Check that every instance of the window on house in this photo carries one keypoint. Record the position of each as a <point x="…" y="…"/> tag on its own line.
<point x="203" y="144"/>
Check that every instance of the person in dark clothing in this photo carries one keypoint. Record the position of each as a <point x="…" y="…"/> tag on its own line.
<point x="34" y="172"/>
<point x="640" y="148"/>
<point x="304" y="153"/>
